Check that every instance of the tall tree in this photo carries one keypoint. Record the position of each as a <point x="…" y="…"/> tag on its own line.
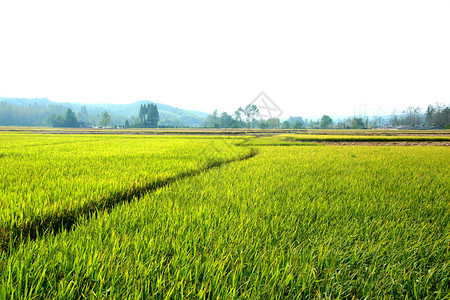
<point x="152" y="115"/>
<point x="326" y="121"/>
<point x="143" y="113"/>
<point x="213" y="120"/>
<point x="412" y="116"/>
<point x="297" y="125"/>
<point x="226" y="121"/>
<point x="70" y="119"/>
<point x="56" y="120"/>
<point x="216" y="118"/>
<point x="106" y="119"/>
<point x="238" y="114"/>
<point x="358" y="123"/>
<point x="394" y="118"/>
<point x="273" y="123"/>
<point x="439" y="115"/>
<point x="286" y="125"/>
<point x="83" y="114"/>
<point x="250" y="112"/>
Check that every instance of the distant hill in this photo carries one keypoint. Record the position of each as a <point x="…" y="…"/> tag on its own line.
<point x="35" y="111"/>
<point x="26" y="101"/>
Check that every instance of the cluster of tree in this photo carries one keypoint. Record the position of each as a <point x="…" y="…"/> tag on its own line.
<point x="42" y="112"/>
<point x="248" y="118"/>
<point x="409" y="116"/>
<point x="242" y="118"/>
<point x="438" y="115"/>
<point x="355" y="122"/>
<point x="294" y="123"/>
<point x="69" y="119"/>
<point x="434" y="115"/>
<point x="148" y="116"/>
<point x="29" y="115"/>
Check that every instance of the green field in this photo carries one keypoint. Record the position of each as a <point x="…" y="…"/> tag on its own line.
<point x="118" y="217"/>
<point x="306" y="139"/>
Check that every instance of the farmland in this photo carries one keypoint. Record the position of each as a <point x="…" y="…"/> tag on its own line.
<point x="57" y="177"/>
<point x="129" y="216"/>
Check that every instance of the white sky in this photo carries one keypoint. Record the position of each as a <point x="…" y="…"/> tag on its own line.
<point x="310" y="57"/>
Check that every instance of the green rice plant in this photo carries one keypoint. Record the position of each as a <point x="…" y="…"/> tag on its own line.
<point x="364" y="138"/>
<point x="291" y="222"/>
<point x="47" y="181"/>
<point x="307" y="139"/>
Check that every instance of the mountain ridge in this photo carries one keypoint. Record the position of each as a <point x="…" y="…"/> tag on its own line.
<point x="169" y="115"/>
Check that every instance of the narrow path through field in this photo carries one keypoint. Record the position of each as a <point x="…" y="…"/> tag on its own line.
<point x="66" y="220"/>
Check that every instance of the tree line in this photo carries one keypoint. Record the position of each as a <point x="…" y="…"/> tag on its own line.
<point x="71" y="120"/>
<point x="57" y="115"/>
<point x="242" y="118"/>
<point x="434" y="115"/>
<point x="148" y="118"/>
<point x="30" y="115"/>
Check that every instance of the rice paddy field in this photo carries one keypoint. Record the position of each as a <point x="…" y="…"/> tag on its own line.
<point x="219" y="217"/>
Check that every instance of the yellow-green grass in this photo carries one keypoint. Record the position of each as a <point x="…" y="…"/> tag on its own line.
<point x="368" y="138"/>
<point x="376" y="132"/>
<point x="292" y="222"/>
<point x="306" y="139"/>
<point x="47" y="180"/>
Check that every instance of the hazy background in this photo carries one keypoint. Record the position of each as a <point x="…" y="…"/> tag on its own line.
<point x="310" y="57"/>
